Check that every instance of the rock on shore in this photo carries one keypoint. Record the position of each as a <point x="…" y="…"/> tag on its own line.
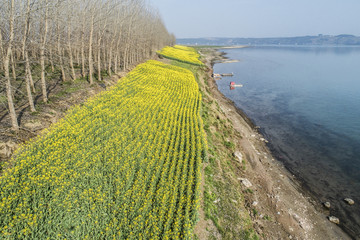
<point x="349" y="201"/>
<point x="334" y="219"/>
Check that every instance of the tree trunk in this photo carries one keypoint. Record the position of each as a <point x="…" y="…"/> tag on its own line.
<point x="28" y="70"/>
<point x="71" y="62"/>
<point x="28" y="78"/>
<point x="117" y="52"/>
<point x="43" y="82"/>
<point x="28" y="82"/>
<point x="42" y="54"/>
<point x="25" y="51"/>
<point x="77" y="54"/>
<point x="2" y="54"/>
<point x="110" y="57"/>
<point x="14" y="122"/>
<point x="60" y="53"/>
<point x="91" y="66"/>
<point x="83" y="74"/>
<point x="116" y="63"/>
<point x="125" y="59"/>
<point x="117" y="55"/>
<point x="51" y="60"/>
<point x="110" y="61"/>
<point x="13" y="71"/>
<point x="104" y="59"/>
<point x="99" y="59"/>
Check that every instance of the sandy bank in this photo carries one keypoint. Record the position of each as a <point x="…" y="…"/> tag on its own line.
<point x="276" y="194"/>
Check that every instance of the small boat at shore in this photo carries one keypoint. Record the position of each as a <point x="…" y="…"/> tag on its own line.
<point x="230" y="61"/>
<point x="233" y="85"/>
<point x="227" y="74"/>
<point x="219" y="75"/>
<point x="216" y="75"/>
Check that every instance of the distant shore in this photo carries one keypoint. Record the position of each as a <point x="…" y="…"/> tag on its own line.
<point x="276" y="191"/>
<point x="235" y="46"/>
<point x="319" y="40"/>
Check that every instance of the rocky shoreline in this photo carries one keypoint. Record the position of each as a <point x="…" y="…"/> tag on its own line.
<point x="277" y="193"/>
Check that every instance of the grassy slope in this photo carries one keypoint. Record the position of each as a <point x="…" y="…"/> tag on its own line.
<point x="223" y="198"/>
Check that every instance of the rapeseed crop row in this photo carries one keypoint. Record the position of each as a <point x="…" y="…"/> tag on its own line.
<point x="124" y="165"/>
<point x="182" y="54"/>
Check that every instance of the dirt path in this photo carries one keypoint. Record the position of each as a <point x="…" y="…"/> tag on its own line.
<point x="281" y="210"/>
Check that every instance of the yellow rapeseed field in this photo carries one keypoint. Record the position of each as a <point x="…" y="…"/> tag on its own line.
<point x="181" y="53"/>
<point x="124" y="165"/>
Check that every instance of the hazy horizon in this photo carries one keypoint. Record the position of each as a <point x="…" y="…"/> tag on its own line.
<point x="258" y="18"/>
<point x="270" y="36"/>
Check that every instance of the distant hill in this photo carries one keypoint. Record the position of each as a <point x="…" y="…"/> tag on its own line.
<point x="343" y="39"/>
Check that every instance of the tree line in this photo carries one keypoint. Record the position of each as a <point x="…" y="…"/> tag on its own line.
<point x="78" y="38"/>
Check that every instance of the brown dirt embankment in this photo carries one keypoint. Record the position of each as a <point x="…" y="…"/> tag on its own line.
<point x="275" y="201"/>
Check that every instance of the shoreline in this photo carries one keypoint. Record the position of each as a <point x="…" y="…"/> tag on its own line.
<point x="299" y="182"/>
<point x="277" y="191"/>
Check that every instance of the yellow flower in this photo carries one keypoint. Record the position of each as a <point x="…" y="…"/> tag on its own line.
<point x="129" y="159"/>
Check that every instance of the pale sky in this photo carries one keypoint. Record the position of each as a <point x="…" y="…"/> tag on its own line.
<point x="259" y="18"/>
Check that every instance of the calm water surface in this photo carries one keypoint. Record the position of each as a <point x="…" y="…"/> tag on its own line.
<point x="307" y="102"/>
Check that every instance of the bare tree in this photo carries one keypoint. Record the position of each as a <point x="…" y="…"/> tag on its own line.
<point x="60" y="50"/>
<point x="70" y="52"/>
<point x="83" y="72"/>
<point x="101" y="32"/>
<point x="42" y="49"/>
<point x="92" y="12"/>
<point x="1" y="48"/>
<point x="28" y="76"/>
<point x="40" y="39"/>
<point x="6" y="61"/>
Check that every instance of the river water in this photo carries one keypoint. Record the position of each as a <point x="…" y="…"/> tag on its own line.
<point x="307" y="102"/>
